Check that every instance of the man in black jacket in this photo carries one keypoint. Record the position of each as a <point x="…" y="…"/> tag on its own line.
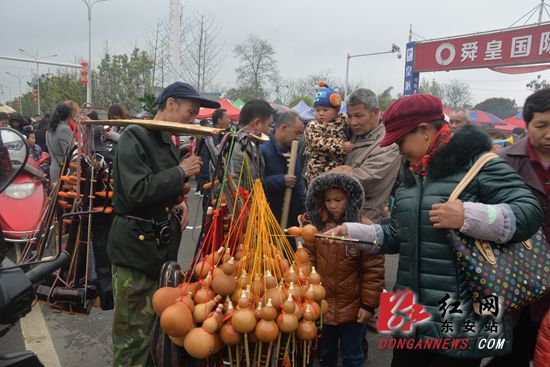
<point x="148" y="178"/>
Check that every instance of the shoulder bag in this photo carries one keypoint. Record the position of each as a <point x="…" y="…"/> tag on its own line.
<point x="518" y="273"/>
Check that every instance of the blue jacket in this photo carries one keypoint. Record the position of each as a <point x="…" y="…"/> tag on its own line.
<point x="275" y="169"/>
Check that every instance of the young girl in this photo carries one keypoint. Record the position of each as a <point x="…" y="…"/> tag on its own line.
<point x="353" y="279"/>
<point x="325" y="137"/>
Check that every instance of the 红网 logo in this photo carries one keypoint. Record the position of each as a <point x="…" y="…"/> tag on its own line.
<point x="399" y="312"/>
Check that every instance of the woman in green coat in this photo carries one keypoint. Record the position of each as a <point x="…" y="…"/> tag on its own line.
<point x="496" y="206"/>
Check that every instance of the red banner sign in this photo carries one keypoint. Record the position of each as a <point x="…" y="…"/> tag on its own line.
<point x="517" y="46"/>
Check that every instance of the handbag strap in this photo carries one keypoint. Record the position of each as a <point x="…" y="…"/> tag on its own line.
<point x="471" y="174"/>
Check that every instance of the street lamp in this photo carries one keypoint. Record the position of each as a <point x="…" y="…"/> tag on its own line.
<point x="37" y="72"/>
<point x="2" y="93"/>
<point x="20" y="90"/>
<point x="90" y="4"/>
<point x="394" y="49"/>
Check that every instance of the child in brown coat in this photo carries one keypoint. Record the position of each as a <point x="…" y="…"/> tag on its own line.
<point x="353" y="279"/>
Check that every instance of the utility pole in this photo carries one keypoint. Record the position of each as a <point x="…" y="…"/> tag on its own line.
<point x="37" y="61"/>
<point x="20" y="90"/>
<point x="89" y="4"/>
<point x="35" y="57"/>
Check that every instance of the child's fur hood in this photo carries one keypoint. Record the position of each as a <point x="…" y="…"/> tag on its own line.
<point x="327" y="181"/>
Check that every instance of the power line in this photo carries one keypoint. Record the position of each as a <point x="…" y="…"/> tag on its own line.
<point x="500" y="90"/>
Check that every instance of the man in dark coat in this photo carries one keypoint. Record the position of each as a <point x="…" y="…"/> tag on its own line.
<point x="255" y="118"/>
<point x="147" y="180"/>
<point x="287" y="128"/>
<point x="530" y="157"/>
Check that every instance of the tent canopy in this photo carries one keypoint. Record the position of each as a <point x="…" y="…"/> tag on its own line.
<point x="239" y="103"/>
<point x="488" y="120"/>
<point x="483" y="118"/>
<point x="516" y="121"/>
<point x="301" y="107"/>
<point x="505" y="128"/>
<point x="5" y="108"/>
<point x="234" y="112"/>
<point x="307" y="115"/>
<point x="447" y="113"/>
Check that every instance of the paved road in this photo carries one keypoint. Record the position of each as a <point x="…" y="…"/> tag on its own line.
<point x="85" y="341"/>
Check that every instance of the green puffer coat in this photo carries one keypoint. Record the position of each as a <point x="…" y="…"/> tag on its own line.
<point x="427" y="264"/>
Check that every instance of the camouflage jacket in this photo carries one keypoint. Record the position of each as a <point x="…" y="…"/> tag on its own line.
<point x="324" y="146"/>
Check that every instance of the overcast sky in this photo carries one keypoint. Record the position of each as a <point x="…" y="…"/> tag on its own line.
<point x="308" y="35"/>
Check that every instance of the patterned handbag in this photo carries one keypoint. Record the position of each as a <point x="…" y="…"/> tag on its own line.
<point x="518" y="273"/>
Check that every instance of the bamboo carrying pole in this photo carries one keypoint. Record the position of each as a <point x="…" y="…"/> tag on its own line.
<point x="288" y="191"/>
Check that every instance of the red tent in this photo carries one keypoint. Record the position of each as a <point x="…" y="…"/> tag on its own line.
<point x="516" y="121"/>
<point x="505" y="128"/>
<point x="234" y="112"/>
<point x="447" y="112"/>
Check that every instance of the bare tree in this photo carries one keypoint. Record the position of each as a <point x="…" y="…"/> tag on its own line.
<point x="157" y="46"/>
<point x="177" y="30"/>
<point x="202" y="61"/>
<point x="431" y="87"/>
<point x="258" y="66"/>
<point x="457" y="94"/>
<point x="307" y="86"/>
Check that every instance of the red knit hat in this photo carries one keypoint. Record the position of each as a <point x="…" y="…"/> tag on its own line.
<point x="405" y="114"/>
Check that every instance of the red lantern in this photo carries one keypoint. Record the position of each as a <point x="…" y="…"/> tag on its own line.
<point x="84" y="72"/>
<point x="35" y="96"/>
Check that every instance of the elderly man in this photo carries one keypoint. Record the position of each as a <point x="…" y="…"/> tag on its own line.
<point x="148" y="177"/>
<point x="458" y="119"/>
<point x="375" y="167"/>
<point x="288" y="127"/>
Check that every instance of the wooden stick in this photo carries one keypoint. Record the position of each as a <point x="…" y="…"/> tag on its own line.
<point x="288" y="190"/>
<point x="247" y="352"/>
<point x="293" y="346"/>
<point x="343" y="239"/>
<point x="238" y="358"/>
<point x="304" y="355"/>
<point x="287" y="345"/>
<point x="278" y="344"/>
<point x="259" y="352"/>
<point x="230" y="356"/>
<point x="268" y="360"/>
<point x="308" y="350"/>
<point x="174" y="127"/>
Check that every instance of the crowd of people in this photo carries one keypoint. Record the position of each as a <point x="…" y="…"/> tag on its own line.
<point x="383" y="177"/>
